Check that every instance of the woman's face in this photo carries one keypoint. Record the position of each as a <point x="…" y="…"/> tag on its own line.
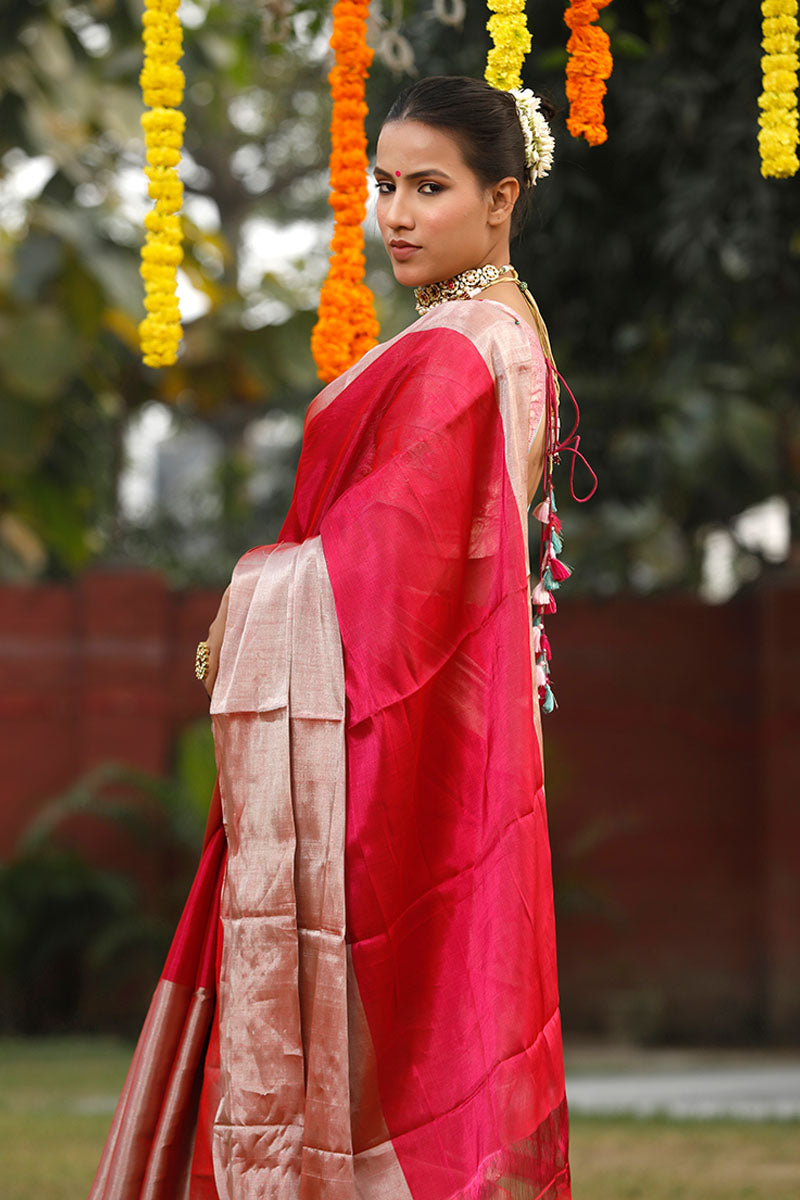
<point x="432" y="211"/>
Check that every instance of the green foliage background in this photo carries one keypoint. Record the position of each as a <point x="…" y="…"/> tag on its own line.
<point x="666" y="267"/>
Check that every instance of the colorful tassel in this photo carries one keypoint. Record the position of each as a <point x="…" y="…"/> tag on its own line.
<point x="559" y="570"/>
<point x="542" y="597"/>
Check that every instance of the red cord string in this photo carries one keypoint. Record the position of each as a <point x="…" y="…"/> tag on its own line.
<point x="573" y="450"/>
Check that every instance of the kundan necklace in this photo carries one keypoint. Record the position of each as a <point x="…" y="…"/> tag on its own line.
<point x="462" y="286"/>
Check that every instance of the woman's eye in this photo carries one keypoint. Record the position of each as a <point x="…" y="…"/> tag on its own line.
<point x="384" y="188"/>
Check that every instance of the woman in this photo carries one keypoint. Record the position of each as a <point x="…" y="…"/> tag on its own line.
<point x="361" y="998"/>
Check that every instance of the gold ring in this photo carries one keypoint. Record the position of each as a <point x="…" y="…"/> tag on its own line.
<point x="201" y="661"/>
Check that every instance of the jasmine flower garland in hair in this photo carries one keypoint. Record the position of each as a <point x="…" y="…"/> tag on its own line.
<point x="539" y="141"/>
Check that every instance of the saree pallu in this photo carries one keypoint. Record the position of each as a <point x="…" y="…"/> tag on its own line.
<point x="361" y="1001"/>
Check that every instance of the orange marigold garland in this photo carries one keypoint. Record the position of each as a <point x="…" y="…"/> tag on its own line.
<point x="347" y="326"/>
<point x="588" y="65"/>
<point x="778" y="136"/>
<point x="162" y="88"/>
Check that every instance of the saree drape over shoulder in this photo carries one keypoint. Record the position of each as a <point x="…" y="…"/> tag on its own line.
<point x="361" y="1000"/>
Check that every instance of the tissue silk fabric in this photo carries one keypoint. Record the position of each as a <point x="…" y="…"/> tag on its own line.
<point x="361" y="1000"/>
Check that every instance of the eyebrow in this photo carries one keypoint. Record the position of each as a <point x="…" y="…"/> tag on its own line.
<point x="414" y="174"/>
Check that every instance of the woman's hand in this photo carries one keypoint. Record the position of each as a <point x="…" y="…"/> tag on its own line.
<point x="216" y="632"/>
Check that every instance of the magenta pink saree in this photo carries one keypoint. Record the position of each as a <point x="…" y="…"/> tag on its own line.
<point x="361" y="999"/>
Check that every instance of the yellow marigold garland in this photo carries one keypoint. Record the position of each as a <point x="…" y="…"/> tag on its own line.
<point x="346" y="326"/>
<point x="162" y="89"/>
<point x="777" y="139"/>
<point x="588" y="65"/>
<point x="511" y="42"/>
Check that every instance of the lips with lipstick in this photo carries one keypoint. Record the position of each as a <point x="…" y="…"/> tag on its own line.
<point x="402" y="250"/>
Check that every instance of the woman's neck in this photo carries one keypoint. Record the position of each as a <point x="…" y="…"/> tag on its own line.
<point x="464" y="286"/>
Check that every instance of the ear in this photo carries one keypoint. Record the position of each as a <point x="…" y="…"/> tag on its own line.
<point x="502" y="198"/>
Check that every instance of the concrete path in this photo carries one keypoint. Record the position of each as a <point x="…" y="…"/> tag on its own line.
<point x="749" y="1085"/>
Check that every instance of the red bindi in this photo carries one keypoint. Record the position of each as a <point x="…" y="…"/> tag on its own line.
<point x="397" y="173"/>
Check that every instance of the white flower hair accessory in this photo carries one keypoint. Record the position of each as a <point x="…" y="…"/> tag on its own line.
<point x="539" y="142"/>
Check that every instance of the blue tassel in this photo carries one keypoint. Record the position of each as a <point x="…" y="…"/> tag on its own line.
<point x="556" y="543"/>
<point x="549" y="702"/>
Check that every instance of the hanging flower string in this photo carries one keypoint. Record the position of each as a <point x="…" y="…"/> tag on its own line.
<point x="162" y="88"/>
<point x="778" y="136"/>
<point x="347" y="326"/>
<point x="511" y="42"/>
<point x="588" y="65"/>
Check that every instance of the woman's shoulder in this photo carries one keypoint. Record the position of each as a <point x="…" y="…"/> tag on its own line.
<point x="490" y="325"/>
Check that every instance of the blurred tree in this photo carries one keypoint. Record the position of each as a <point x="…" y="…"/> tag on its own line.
<point x="70" y="294"/>
<point x="665" y="266"/>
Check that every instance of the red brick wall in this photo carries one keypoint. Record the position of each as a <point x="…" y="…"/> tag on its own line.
<point x="657" y="815"/>
<point x="96" y="670"/>
<point x="777" y="801"/>
<point x="672" y="774"/>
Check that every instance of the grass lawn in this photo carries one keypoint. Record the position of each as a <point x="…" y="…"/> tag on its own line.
<point x="56" y="1104"/>
<point x="58" y="1096"/>
<point x="631" y="1158"/>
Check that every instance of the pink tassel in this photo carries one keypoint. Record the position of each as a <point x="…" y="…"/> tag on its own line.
<point x="540" y="594"/>
<point x="546" y="645"/>
<point x="559" y="570"/>
<point x="537" y="638"/>
<point x="541" y="678"/>
<point x="542" y="511"/>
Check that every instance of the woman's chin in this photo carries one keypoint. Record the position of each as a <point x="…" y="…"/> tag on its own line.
<point x="409" y="274"/>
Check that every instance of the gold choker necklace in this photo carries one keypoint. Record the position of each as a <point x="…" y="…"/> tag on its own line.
<point x="461" y="287"/>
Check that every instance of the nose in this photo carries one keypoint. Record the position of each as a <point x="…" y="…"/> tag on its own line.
<point x="396" y="210"/>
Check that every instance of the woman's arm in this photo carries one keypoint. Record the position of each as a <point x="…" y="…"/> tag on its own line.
<point x="216" y="632"/>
